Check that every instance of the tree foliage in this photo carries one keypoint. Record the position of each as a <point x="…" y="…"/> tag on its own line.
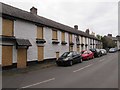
<point x="108" y="42"/>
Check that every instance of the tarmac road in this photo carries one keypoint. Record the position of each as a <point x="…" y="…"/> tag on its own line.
<point x="96" y="73"/>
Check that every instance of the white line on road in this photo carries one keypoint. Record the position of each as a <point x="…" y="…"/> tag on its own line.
<point x="83" y="68"/>
<point x="101" y="60"/>
<point x="38" y="83"/>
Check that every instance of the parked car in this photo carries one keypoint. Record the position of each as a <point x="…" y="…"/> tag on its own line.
<point x="86" y="55"/>
<point x="112" y="50"/>
<point x="104" y="52"/>
<point x="69" y="58"/>
<point x="97" y="52"/>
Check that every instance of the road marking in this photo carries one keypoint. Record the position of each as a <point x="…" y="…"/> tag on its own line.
<point x="38" y="83"/>
<point x="83" y="68"/>
<point x="101" y="60"/>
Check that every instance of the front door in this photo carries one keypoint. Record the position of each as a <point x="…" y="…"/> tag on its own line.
<point x="57" y="54"/>
<point x="40" y="53"/>
<point x="21" y="57"/>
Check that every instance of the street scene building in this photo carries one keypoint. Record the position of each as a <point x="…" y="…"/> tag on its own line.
<point x="116" y="40"/>
<point x="28" y="37"/>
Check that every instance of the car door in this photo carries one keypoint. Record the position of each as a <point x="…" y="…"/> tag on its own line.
<point x="76" y="57"/>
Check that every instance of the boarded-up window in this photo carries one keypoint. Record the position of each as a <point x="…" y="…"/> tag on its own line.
<point x="7" y="55"/>
<point x="40" y="32"/>
<point x="63" y="36"/>
<point x="81" y="39"/>
<point x="54" y="34"/>
<point x="70" y="37"/>
<point x="40" y="53"/>
<point x="7" y="27"/>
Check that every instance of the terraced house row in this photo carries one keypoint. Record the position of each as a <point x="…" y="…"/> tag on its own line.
<point x="27" y="37"/>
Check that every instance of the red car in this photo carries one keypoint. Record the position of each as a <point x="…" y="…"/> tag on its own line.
<point x="86" y="55"/>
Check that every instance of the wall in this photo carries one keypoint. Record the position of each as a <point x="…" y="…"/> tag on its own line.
<point x="25" y="30"/>
<point x="51" y="49"/>
<point x="0" y="41"/>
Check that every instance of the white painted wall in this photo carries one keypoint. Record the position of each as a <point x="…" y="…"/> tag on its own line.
<point x="51" y="49"/>
<point x="25" y="30"/>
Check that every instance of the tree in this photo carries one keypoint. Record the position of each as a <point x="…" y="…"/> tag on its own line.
<point x="108" y="42"/>
<point x="98" y="37"/>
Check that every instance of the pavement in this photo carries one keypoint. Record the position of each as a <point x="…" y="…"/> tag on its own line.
<point x="95" y="73"/>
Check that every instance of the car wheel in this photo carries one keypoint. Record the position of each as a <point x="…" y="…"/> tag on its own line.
<point x="81" y="60"/>
<point x="71" y="63"/>
<point x="88" y="58"/>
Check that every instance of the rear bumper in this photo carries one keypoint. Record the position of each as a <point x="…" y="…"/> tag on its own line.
<point x="62" y="62"/>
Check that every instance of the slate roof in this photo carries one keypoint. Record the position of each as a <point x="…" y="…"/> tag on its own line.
<point x="23" y="42"/>
<point x="16" y="13"/>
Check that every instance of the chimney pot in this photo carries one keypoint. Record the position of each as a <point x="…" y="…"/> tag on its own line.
<point x="76" y="27"/>
<point x="33" y="10"/>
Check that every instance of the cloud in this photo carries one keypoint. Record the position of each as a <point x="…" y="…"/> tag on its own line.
<point x="100" y="17"/>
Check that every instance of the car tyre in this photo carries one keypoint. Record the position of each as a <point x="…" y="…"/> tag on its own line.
<point x="81" y="60"/>
<point x="71" y="63"/>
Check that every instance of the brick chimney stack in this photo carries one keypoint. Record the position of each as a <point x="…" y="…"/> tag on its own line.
<point x="110" y="35"/>
<point x="33" y="10"/>
<point x="87" y="31"/>
<point x="76" y="27"/>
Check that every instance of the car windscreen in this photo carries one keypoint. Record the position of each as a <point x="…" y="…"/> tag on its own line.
<point x="86" y="52"/>
<point x="67" y="54"/>
<point x="112" y="49"/>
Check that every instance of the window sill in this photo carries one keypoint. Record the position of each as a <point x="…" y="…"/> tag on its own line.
<point x="63" y="43"/>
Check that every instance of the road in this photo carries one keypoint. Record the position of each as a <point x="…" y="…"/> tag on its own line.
<point x="96" y="73"/>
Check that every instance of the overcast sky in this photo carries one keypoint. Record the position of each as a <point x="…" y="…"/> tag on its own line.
<point x="100" y="16"/>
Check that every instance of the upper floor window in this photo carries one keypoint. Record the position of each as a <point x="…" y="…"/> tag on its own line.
<point x="39" y="32"/>
<point x="81" y="39"/>
<point x="63" y="36"/>
<point x="54" y="35"/>
<point x="7" y="27"/>
<point x="70" y="38"/>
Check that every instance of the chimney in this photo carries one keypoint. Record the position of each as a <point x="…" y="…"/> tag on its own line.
<point x="33" y="10"/>
<point x="87" y="31"/>
<point x="110" y="35"/>
<point x="76" y="27"/>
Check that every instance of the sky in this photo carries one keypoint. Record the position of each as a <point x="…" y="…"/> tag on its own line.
<point x="100" y="16"/>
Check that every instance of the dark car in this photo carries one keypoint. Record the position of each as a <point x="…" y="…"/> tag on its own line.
<point x="112" y="50"/>
<point x="69" y="58"/>
<point x="97" y="52"/>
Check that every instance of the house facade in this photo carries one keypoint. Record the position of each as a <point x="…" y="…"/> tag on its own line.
<point x="26" y="37"/>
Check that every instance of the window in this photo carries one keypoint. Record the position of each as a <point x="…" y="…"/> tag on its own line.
<point x="54" y="35"/>
<point x="85" y="40"/>
<point x="39" y="32"/>
<point x="63" y="36"/>
<point x="7" y="27"/>
<point x="70" y="38"/>
<point x="81" y="39"/>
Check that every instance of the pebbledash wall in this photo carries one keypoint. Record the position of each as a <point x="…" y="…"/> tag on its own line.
<point x="51" y="49"/>
<point x="26" y="30"/>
